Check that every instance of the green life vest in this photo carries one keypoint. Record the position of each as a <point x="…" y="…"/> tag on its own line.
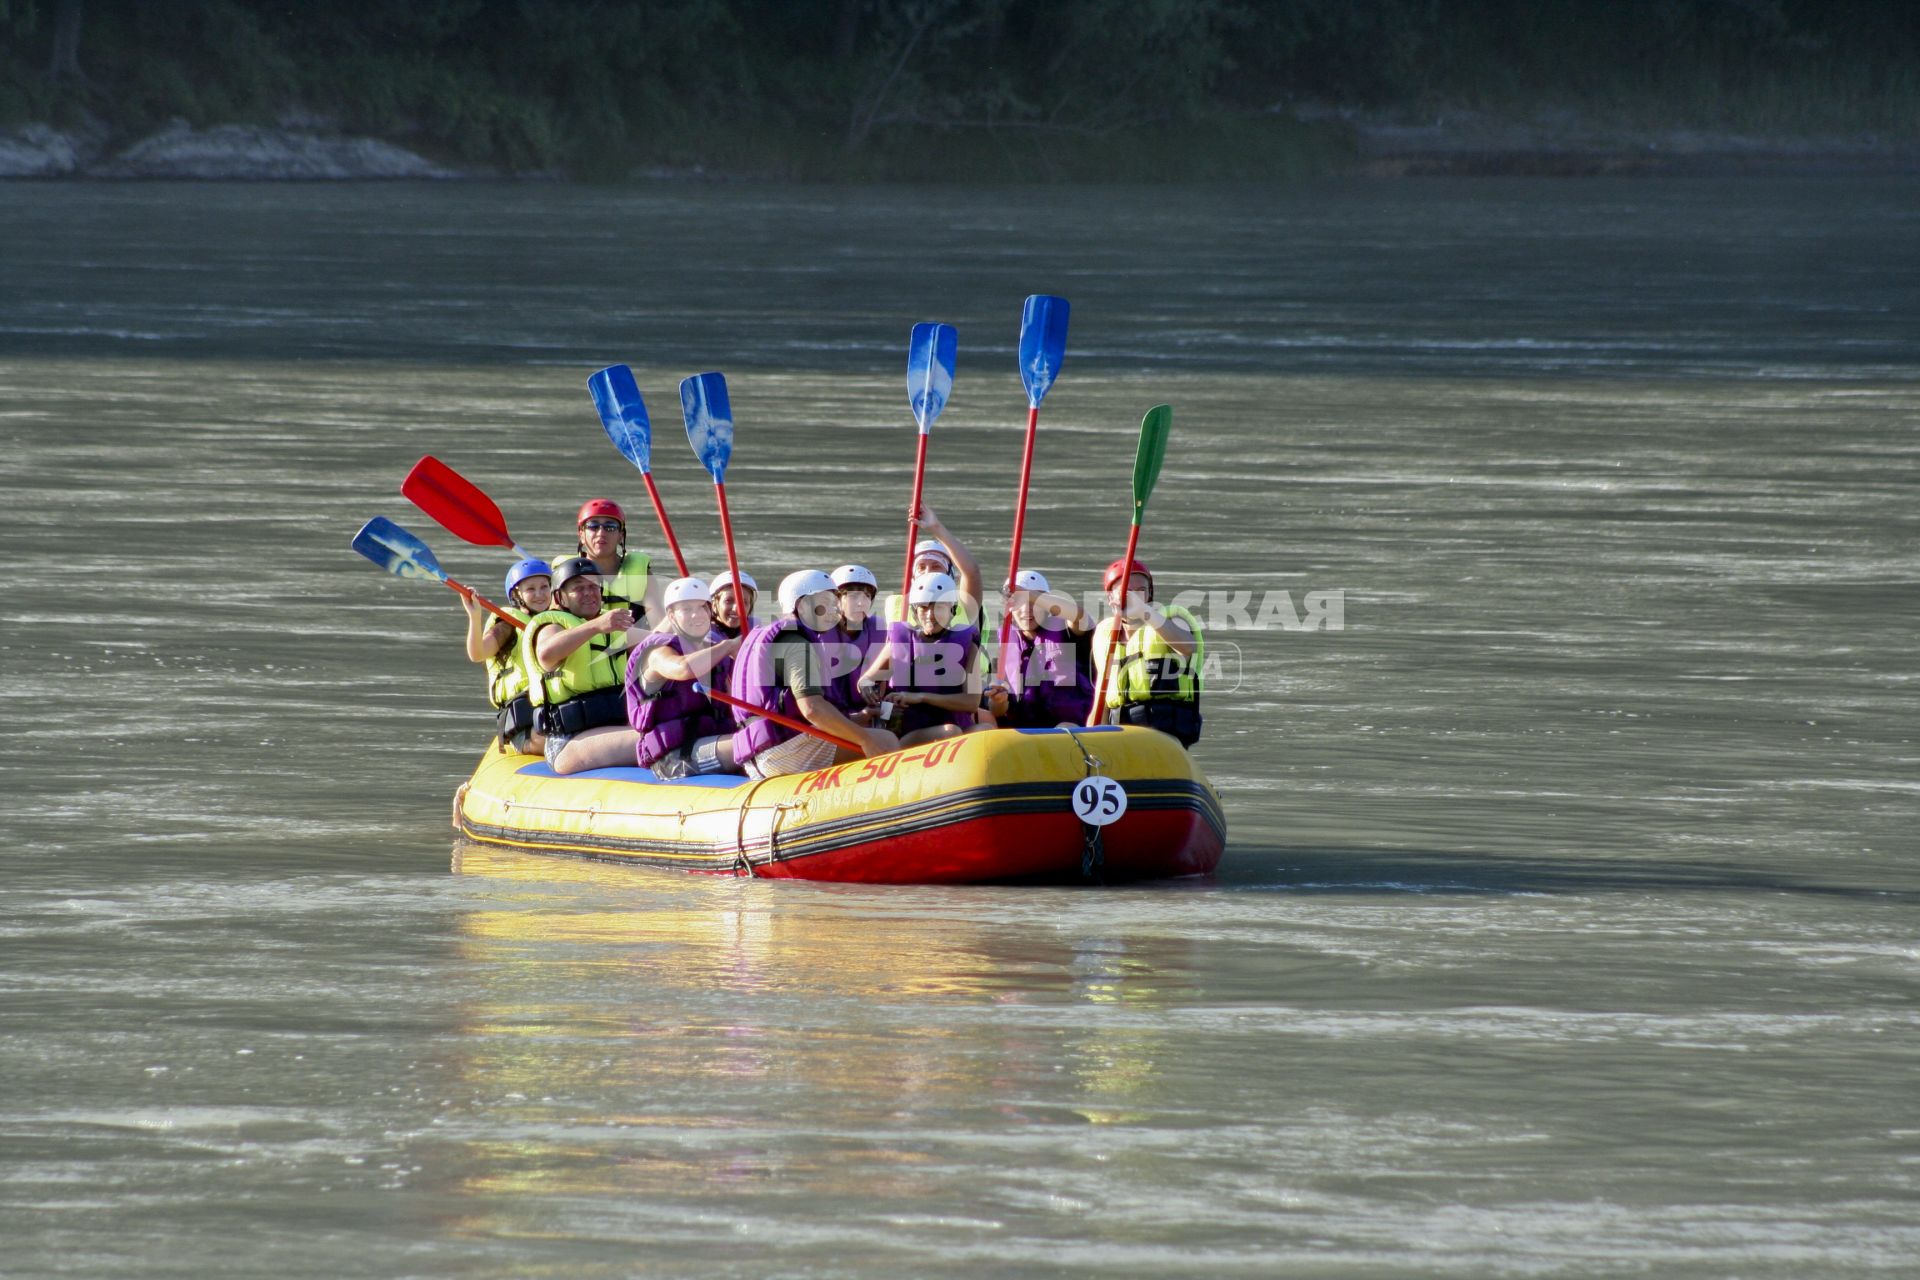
<point x="600" y="663"/>
<point x="506" y="672"/>
<point x="1148" y="669"/>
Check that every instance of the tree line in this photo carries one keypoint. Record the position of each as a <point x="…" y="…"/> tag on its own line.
<point x="933" y="88"/>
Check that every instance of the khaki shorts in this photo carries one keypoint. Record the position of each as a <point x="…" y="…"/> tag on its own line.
<point x="801" y="753"/>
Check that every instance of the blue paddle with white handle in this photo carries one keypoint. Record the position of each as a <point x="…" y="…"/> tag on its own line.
<point x="709" y="415"/>
<point x="624" y="414"/>
<point x="404" y="556"/>
<point x="931" y="350"/>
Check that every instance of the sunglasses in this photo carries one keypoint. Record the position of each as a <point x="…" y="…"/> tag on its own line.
<point x="597" y="526"/>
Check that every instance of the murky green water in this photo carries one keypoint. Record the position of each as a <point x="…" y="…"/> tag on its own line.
<point x="1568" y="925"/>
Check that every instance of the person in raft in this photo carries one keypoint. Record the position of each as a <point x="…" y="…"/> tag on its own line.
<point x="860" y="636"/>
<point x="1155" y="676"/>
<point x="625" y="580"/>
<point x="681" y="731"/>
<point x="1045" y="678"/>
<point x="940" y="552"/>
<point x="931" y="667"/>
<point x="495" y="644"/>
<point x="732" y="619"/>
<point x="782" y="667"/>
<point x="733" y="610"/>
<point x="577" y="654"/>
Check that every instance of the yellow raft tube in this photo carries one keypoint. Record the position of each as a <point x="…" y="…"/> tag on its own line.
<point x="991" y="806"/>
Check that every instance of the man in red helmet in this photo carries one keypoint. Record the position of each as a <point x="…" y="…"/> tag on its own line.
<point x="625" y="582"/>
<point x="1153" y="677"/>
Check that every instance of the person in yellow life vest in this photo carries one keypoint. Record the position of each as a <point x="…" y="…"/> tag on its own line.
<point x="576" y="653"/>
<point x="625" y="580"/>
<point x="497" y="645"/>
<point x="939" y="551"/>
<point x="1154" y="677"/>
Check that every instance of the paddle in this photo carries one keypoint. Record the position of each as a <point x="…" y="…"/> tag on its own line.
<point x="1043" y="346"/>
<point x="930" y="357"/>
<point x="404" y="556"/>
<point x="624" y="414"/>
<point x="1146" y="470"/>
<point x="458" y="505"/>
<point x="788" y="721"/>
<point x="709" y="415"/>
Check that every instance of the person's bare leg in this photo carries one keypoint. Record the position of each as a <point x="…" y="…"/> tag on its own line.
<point x="601" y="748"/>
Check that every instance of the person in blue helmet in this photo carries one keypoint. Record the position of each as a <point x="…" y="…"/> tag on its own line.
<point x="496" y="645"/>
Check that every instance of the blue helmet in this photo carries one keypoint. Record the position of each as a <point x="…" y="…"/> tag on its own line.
<point x="527" y="569"/>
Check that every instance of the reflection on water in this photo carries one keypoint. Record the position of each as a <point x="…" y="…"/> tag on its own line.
<point x="710" y="1000"/>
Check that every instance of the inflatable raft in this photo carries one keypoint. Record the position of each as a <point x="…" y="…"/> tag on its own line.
<point x="1001" y="805"/>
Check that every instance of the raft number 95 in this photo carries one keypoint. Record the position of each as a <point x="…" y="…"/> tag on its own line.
<point x="1099" y="801"/>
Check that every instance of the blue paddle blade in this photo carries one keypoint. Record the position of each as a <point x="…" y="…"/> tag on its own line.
<point x="1043" y="344"/>
<point x="930" y="356"/>
<point x="623" y="413"/>
<point x="703" y="399"/>
<point x="397" y="551"/>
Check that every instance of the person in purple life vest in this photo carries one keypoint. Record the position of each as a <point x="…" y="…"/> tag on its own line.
<point x="1045" y="678"/>
<point x="732" y="618"/>
<point x="783" y="667"/>
<point x="930" y="667"/>
<point x="860" y="636"/>
<point x="681" y="731"/>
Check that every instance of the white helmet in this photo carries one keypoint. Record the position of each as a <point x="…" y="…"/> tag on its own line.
<point x="934" y="588"/>
<point x="725" y="579"/>
<point x="801" y="583"/>
<point x="1029" y="580"/>
<point x="681" y="590"/>
<point x="855" y="575"/>
<point x="932" y="547"/>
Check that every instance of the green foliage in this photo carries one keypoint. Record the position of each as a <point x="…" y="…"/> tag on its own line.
<point x="938" y="89"/>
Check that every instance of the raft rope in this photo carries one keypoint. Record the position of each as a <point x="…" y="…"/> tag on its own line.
<point x="1093" y="855"/>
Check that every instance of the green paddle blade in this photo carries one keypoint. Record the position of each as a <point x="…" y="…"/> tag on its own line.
<point x="1153" y="451"/>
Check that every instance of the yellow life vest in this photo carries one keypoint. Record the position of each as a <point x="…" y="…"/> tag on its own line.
<point x="1148" y="668"/>
<point x="600" y="663"/>
<point x="506" y="673"/>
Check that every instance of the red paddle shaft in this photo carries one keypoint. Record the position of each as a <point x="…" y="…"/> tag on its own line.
<point x="733" y="564"/>
<point x="1099" y="710"/>
<point x="482" y="601"/>
<point x="680" y="561"/>
<point x="913" y="516"/>
<point x="1019" y="518"/>
<point x="788" y="721"/>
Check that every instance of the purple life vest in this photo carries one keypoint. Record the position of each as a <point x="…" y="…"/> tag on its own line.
<point x="674" y="717"/>
<point x="721" y="677"/>
<point x="930" y="664"/>
<point x="1046" y="681"/>
<point x="851" y="654"/>
<point x="752" y="682"/>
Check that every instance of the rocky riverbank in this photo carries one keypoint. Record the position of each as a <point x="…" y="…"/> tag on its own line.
<point x="1451" y="143"/>
<point x="232" y="151"/>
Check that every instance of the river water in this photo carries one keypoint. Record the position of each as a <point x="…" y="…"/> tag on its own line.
<point x="1567" y="925"/>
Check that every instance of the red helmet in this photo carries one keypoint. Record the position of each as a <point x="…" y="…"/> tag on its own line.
<point x="601" y="507"/>
<point x="1123" y="568"/>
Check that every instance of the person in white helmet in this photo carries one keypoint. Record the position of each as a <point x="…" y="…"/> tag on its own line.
<point x="783" y="667"/>
<point x="681" y="730"/>
<point x="930" y="667"/>
<point x="939" y="551"/>
<point x="860" y="635"/>
<point x="732" y="617"/>
<point x="1045" y="676"/>
<point x="733" y="610"/>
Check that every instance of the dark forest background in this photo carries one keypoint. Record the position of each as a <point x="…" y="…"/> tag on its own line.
<point x="948" y="88"/>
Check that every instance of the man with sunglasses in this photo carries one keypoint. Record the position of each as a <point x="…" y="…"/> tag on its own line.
<point x="625" y="580"/>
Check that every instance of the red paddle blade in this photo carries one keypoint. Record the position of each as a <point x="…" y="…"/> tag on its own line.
<point x="456" y="503"/>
